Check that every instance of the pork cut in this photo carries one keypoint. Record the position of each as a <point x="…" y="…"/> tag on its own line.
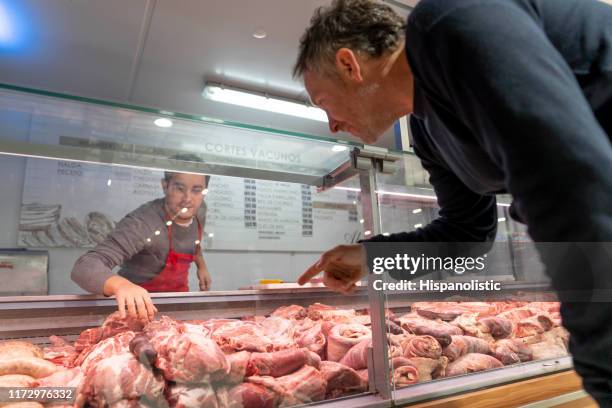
<point x="421" y="346"/>
<point x="344" y="336"/>
<point x="281" y="362"/>
<point x="119" y="377"/>
<point x="191" y="396"/>
<point x="341" y="380"/>
<point x="439" y="330"/>
<point x="462" y="345"/>
<point x="471" y="363"/>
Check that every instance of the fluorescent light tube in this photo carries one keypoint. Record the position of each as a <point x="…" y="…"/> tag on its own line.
<point x="252" y="100"/>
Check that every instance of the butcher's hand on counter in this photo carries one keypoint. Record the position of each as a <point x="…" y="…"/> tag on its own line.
<point x="342" y="267"/>
<point x="133" y="300"/>
<point x="204" y="278"/>
<point x="203" y="274"/>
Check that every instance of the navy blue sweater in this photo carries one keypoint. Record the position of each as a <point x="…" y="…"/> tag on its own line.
<point x="516" y="96"/>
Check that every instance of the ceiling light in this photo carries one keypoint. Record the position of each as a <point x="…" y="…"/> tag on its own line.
<point x="260" y="33"/>
<point x="163" y="122"/>
<point x="367" y="233"/>
<point x="109" y="182"/>
<point x="502" y="219"/>
<point x="252" y="100"/>
<point x="416" y="211"/>
<point x="211" y="235"/>
<point x="339" y="148"/>
<point x="418" y="225"/>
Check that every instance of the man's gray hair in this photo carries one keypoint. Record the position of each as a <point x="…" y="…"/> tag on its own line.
<point x="367" y="27"/>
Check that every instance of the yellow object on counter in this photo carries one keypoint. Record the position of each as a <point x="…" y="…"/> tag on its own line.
<point x="269" y="281"/>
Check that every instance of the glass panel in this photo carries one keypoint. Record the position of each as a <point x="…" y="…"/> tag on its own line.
<point x="452" y="332"/>
<point x="42" y="126"/>
<point x="94" y="187"/>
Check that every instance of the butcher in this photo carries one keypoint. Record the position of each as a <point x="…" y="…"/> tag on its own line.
<point x="154" y="247"/>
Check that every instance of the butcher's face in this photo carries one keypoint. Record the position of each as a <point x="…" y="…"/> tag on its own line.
<point x="356" y="108"/>
<point x="184" y="194"/>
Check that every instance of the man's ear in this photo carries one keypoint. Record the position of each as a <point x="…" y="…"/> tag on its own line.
<point x="164" y="185"/>
<point x="348" y="65"/>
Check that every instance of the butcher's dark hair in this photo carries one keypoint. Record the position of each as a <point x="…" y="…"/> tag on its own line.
<point x="367" y="27"/>
<point x="183" y="157"/>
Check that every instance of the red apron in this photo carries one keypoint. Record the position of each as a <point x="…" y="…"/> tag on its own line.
<point x="175" y="275"/>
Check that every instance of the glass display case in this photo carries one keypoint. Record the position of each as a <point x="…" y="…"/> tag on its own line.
<point x="74" y="167"/>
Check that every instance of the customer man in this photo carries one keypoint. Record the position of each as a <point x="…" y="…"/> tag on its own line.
<point x="506" y="96"/>
<point x="155" y="246"/>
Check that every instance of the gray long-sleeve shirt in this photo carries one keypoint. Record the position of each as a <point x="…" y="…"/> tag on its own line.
<point x="127" y="247"/>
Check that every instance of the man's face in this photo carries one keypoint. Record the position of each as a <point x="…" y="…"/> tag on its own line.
<point x="357" y="108"/>
<point x="184" y="191"/>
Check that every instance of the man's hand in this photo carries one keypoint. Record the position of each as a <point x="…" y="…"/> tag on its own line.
<point x="344" y="266"/>
<point x="131" y="298"/>
<point x="204" y="278"/>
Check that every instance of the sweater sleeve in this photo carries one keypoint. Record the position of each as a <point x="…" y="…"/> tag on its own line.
<point x="465" y="216"/>
<point x="128" y="238"/>
<point x="495" y="65"/>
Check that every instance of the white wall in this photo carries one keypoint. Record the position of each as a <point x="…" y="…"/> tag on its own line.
<point x="229" y="269"/>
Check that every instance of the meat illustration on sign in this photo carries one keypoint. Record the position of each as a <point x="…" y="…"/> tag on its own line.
<point x="43" y="226"/>
<point x="294" y="356"/>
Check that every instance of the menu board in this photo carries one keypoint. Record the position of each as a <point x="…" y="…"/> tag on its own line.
<point x="72" y="204"/>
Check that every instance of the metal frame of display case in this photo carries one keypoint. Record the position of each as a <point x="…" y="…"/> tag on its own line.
<point x="35" y="318"/>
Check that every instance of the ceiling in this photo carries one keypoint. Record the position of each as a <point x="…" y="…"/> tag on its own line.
<point x="159" y="53"/>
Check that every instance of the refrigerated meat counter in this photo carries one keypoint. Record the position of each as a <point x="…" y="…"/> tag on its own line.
<point x="281" y="348"/>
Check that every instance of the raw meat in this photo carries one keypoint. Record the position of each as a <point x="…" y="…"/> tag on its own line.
<point x="421" y="346"/>
<point x="511" y="351"/>
<point x="238" y="335"/>
<point x="191" y="396"/>
<point x="281" y="362"/>
<point x="344" y="336"/>
<point x="114" y="325"/>
<point x="60" y="352"/>
<point x="312" y="338"/>
<point x="427" y="368"/>
<point x="248" y="395"/>
<point x="439" y="330"/>
<point x="405" y="375"/>
<point x="341" y="380"/>
<point x="87" y="339"/>
<point x="120" y="377"/>
<point x="357" y="356"/>
<point x="185" y="356"/>
<point x="532" y="325"/>
<point x="238" y="366"/>
<point x="462" y="345"/>
<point x="290" y="312"/>
<point x="106" y="348"/>
<point x="450" y="310"/>
<point x="471" y="363"/>
<point x="319" y="311"/>
<point x="498" y="327"/>
<point x="304" y="386"/>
